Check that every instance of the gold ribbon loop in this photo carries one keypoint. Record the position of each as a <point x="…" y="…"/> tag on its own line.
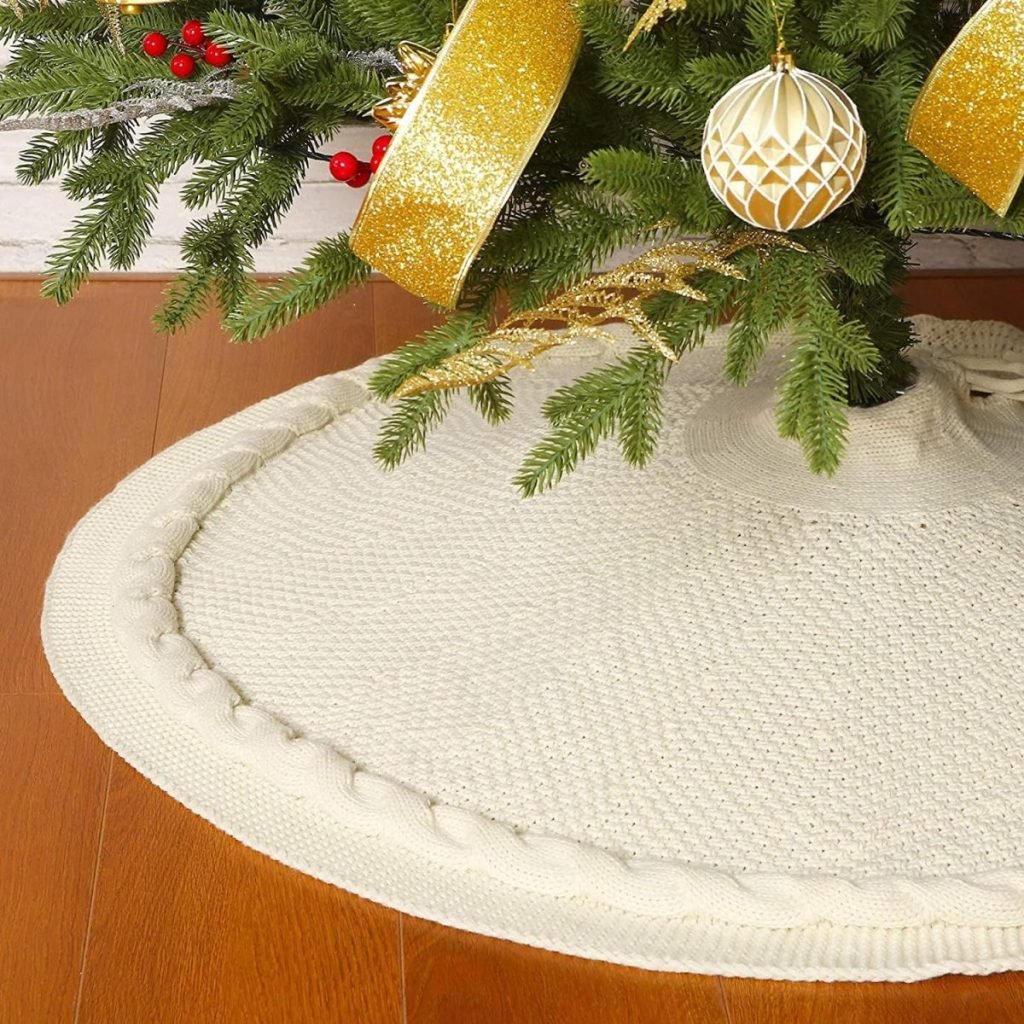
<point x="969" y="117"/>
<point x="464" y="141"/>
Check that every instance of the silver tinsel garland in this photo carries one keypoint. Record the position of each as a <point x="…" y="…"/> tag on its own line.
<point x="157" y="96"/>
<point x="381" y="62"/>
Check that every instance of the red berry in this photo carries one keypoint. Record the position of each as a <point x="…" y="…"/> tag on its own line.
<point x="380" y="144"/>
<point x="182" y="65"/>
<point x="154" y="44"/>
<point x="192" y="33"/>
<point x="375" y="161"/>
<point x="343" y="165"/>
<point x="361" y="177"/>
<point x="216" y="55"/>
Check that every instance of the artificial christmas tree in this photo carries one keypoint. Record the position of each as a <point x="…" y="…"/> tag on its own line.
<point x="619" y="165"/>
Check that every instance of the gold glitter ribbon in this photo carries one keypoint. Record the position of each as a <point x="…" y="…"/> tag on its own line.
<point x="616" y="296"/>
<point x="463" y="143"/>
<point x="969" y="117"/>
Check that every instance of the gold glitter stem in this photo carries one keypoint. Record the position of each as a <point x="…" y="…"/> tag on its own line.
<point x="652" y="17"/>
<point x="112" y="16"/>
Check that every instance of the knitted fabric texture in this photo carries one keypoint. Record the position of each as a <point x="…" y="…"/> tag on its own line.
<point x="719" y="715"/>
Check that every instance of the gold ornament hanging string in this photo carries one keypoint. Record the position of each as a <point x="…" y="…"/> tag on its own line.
<point x="584" y="311"/>
<point x="15" y="6"/>
<point x="782" y="60"/>
<point x="780" y="26"/>
<point x="113" y="10"/>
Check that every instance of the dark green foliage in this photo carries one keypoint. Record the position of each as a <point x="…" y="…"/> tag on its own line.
<point x="330" y="269"/>
<point x="766" y="304"/>
<point x="406" y="430"/>
<point x="619" y="166"/>
<point x="621" y="400"/>
<point x="250" y="154"/>
<point x="813" y="390"/>
<point x="459" y="333"/>
<point x="492" y="400"/>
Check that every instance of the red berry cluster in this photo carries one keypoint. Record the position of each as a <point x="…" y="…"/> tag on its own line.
<point x="349" y="168"/>
<point x="196" y="46"/>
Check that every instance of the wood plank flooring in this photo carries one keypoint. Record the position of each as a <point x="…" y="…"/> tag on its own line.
<point x="118" y="906"/>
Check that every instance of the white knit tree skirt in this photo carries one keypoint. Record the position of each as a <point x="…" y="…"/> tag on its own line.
<point x="717" y="715"/>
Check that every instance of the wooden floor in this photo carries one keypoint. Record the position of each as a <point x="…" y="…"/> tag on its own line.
<point x="118" y="906"/>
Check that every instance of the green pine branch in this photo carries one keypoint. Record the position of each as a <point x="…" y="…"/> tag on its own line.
<point x="329" y="270"/>
<point x="407" y="428"/>
<point x="455" y="335"/>
<point x="619" y="166"/>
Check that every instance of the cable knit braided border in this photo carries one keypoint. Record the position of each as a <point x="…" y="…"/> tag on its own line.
<point x="148" y="624"/>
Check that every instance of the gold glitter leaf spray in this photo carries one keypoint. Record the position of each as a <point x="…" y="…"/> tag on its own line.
<point x="584" y="311"/>
<point x="969" y="117"/>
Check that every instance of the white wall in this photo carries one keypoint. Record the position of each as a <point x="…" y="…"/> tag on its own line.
<point x="31" y="219"/>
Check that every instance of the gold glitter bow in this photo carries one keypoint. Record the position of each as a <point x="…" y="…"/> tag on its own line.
<point x="650" y="18"/>
<point x="416" y="63"/>
<point x="969" y="117"/>
<point x="583" y="311"/>
<point x="463" y="141"/>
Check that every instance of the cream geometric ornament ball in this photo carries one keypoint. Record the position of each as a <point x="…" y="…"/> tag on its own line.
<point x="784" y="147"/>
